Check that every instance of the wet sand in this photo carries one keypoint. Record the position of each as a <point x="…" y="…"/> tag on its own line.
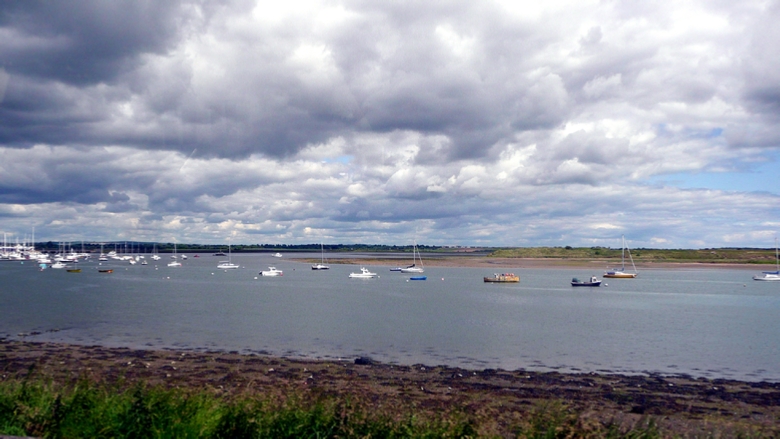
<point x="495" y="399"/>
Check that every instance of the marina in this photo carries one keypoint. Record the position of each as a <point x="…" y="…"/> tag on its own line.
<point x="713" y="323"/>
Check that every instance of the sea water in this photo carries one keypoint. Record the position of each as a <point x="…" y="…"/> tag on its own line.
<point x="714" y="323"/>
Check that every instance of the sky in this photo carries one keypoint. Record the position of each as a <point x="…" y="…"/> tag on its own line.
<point x="490" y="123"/>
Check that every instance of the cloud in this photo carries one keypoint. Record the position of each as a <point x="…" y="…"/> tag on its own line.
<point x="472" y="123"/>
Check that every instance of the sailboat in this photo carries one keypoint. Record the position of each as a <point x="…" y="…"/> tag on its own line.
<point x="175" y="263"/>
<point x="771" y="275"/>
<point x="321" y="265"/>
<point x="155" y="256"/>
<point x="229" y="263"/>
<point x="621" y="273"/>
<point x="414" y="268"/>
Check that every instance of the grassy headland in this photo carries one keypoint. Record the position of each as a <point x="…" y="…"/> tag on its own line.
<point x="719" y="255"/>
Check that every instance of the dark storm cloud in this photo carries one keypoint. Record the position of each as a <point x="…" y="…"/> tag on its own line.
<point x="83" y="42"/>
<point x="117" y="73"/>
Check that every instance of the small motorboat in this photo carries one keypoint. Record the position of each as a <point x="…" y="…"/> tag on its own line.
<point x="364" y="274"/>
<point x="418" y="278"/>
<point x="503" y="278"/>
<point x="73" y="270"/>
<point x="105" y="270"/>
<point x="593" y="282"/>
<point x="277" y="255"/>
<point x="272" y="271"/>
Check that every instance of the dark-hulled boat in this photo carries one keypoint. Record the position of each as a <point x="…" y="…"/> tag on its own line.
<point x="593" y="282"/>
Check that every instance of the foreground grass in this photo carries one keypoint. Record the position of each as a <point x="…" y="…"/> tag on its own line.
<point x="84" y="409"/>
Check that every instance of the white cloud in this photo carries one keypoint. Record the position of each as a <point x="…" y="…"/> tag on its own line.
<point x="475" y="123"/>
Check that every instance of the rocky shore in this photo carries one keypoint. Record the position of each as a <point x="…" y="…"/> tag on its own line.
<point x="496" y="399"/>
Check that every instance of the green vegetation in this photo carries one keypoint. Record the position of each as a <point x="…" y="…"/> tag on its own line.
<point x="719" y="255"/>
<point x="713" y="255"/>
<point x="86" y="409"/>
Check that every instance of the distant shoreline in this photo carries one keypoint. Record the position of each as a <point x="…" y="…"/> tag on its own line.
<point x="535" y="263"/>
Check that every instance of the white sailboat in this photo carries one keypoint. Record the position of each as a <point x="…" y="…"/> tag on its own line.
<point x="771" y="275"/>
<point x="322" y="265"/>
<point x="621" y="273"/>
<point x="155" y="256"/>
<point x="226" y="265"/>
<point x="414" y="268"/>
<point x="175" y="263"/>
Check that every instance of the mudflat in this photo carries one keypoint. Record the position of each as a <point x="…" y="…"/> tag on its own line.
<point x="495" y="400"/>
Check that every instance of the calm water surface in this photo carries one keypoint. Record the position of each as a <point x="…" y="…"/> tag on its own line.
<point x="710" y="323"/>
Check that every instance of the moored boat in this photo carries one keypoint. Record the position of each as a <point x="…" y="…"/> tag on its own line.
<point x="364" y="274"/>
<point x="593" y="282"/>
<point x="418" y="278"/>
<point x="105" y="270"/>
<point x="503" y="277"/>
<point x="272" y="271"/>
<point x="321" y="265"/>
<point x="414" y="268"/>
<point x="228" y="265"/>
<point x="621" y="273"/>
<point x="771" y="275"/>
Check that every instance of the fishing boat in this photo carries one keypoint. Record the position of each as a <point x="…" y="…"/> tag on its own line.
<point x="322" y="265"/>
<point x="364" y="274"/>
<point x="414" y="268"/>
<point x="593" y="282"/>
<point x="621" y="273"/>
<point x="272" y="271"/>
<point x="771" y="275"/>
<point x="503" y="277"/>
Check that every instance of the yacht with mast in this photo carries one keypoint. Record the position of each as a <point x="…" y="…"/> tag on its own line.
<point x="229" y="263"/>
<point x="322" y="265"/>
<point x="771" y="275"/>
<point x="415" y="256"/>
<point x="621" y="273"/>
